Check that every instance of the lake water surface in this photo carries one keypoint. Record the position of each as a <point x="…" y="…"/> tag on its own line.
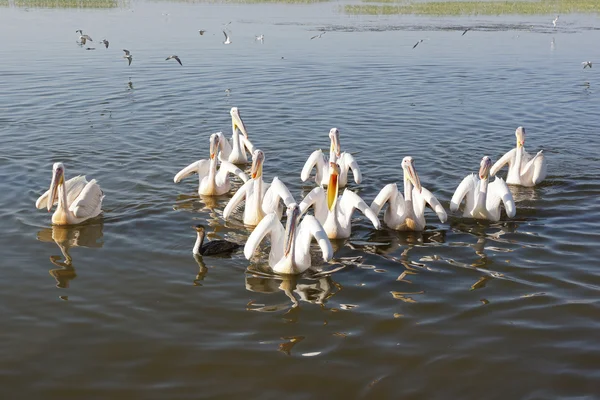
<point x="119" y="307"/>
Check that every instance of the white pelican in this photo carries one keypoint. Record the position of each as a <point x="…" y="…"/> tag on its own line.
<point x="234" y="150"/>
<point x="212" y="182"/>
<point x="77" y="199"/>
<point x="335" y="215"/>
<point x="345" y="160"/>
<point x="261" y="199"/>
<point x="523" y="169"/>
<point x="290" y="247"/>
<point x="483" y="198"/>
<point x="407" y="213"/>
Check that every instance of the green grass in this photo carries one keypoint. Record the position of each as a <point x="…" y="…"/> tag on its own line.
<point x="495" y="7"/>
<point x="65" y="3"/>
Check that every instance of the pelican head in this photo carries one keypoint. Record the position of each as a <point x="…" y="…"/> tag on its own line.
<point x="484" y="169"/>
<point x="408" y="166"/>
<point x="520" y="134"/>
<point x="334" y="135"/>
<point x="58" y="178"/>
<point x="236" y="121"/>
<point x="332" y="188"/>
<point x="293" y="214"/>
<point x="258" y="159"/>
<point x="214" y="145"/>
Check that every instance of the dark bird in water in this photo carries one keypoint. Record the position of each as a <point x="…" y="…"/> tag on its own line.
<point x="466" y="30"/>
<point x="174" y="58"/>
<point x="214" y="246"/>
<point x="128" y="56"/>
<point x="105" y="42"/>
<point x="201" y="31"/>
<point x="416" y="44"/>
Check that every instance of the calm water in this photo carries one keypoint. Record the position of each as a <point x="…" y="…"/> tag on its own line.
<point x="119" y="308"/>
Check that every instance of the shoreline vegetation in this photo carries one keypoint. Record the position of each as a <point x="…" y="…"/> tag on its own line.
<point x="468" y="8"/>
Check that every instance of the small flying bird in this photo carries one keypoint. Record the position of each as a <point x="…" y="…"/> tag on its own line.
<point x="174" y="58"/>
<point x="586" y="64"/>
<point x="227" y="40"/>
<point x="318" y="36"/>
<point x="83" y="38"/>
<point x="260" y="38"/>
<point x="416" y="44"/>
<point x="555" y="20"/>
<point x="201" y="32"/>
<point x="90" y="48"/>
<point x="105" y="43"/>
<point x="466" y="30"/>
<point x="227" y="23"/>
<point x="128" y="56"/>
<point x="214" y="246"/>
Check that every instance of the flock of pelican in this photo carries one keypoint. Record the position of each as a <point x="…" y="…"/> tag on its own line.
<point x="78" y="200"/>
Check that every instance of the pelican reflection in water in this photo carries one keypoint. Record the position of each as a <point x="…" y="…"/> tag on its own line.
<point x="65" y="238"/>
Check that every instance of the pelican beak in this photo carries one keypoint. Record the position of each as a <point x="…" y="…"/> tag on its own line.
<point x="484" y="169"/>
<point x="58" y="178"/>
<point x="214" y="146"/>
<point x="332" y="188"/>
<point x="237" y="122"/>
<point x="412" y="176"/>
<point x="257" y="164"/>
<point x="293" y="214"/>
<point x="336" y="147"/>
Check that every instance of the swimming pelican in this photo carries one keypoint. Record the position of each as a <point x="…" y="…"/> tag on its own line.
<point x="407" y="213"/>
<point x="77" y="199"/>
<point x="234" y="150"/>
<point x="214" y="246"/>
<point x="128" y="56"/>
<point x="213" y="180"/>
<point x="335" y="215"/>
<point x="290" y="246"/>
<point x="523" y="169"/>
<point x="260" y="199"/>
<point x="483" y="198"/>
<point x="174" y="58"/>
<point x="227" y="40"/>
<point x="345" y="160"/>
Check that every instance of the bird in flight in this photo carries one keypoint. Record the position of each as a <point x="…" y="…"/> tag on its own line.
<point x="174" y="58"/>
<point x="105" y="42"/>
<point x="555" y="20"/>
<point x="318" y="36"/>
<point x="201" y="32"/>
<point x="83" y="38"/>
<point x="227" y="40"/>
<point x="586" y="64"/>
<point x="466" y="30"/>
<point x="128" y="56"/>
<point x="260" y="38"/>
<point x="416" y="44"/>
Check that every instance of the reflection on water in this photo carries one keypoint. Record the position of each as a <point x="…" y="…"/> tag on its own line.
<point x="65" y="238"/>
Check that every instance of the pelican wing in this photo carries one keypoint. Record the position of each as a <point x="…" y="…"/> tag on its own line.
<point x="318" y="199"/>
<point x="269" y="225"/>
<point x="427" y="197"/>
<point x="276" y="191"/>
<point x="505" y="159"/>
<point x="351" y="201"/>
<point x="498" y="191"/>
<point x="385" y="196"/>
<point x="200" y="167"/>
<point x="237" y="198"/>
<point x="89" y="202"/>
<point x="73" y="186"/>
<point x="467" y="185"/>
<point x="230" y="168"/>
<point x="316" y="159"/>
<point x="535" y="170"/>
<point x="312" y="226"/>
<point x="350" y="163"/>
